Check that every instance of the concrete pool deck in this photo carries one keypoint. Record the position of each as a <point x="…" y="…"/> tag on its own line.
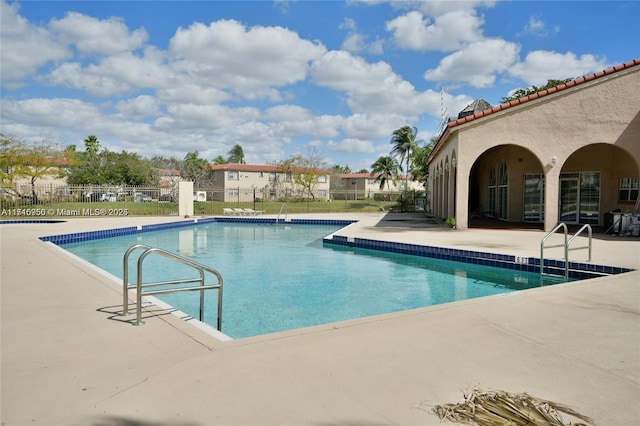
<point x="67" y="358"/>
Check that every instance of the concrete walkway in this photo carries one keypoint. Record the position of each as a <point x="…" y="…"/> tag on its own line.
<point x="68" y="359"/>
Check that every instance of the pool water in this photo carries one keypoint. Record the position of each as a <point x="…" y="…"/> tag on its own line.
<point x="279" y="278"/>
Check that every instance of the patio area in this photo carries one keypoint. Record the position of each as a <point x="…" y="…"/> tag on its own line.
<point x="67" y="360"/>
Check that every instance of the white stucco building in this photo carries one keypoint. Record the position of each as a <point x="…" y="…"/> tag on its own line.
<point x="567" y="154"/>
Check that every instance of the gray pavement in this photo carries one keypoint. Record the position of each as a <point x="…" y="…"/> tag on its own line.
<point x="68" y="359"/>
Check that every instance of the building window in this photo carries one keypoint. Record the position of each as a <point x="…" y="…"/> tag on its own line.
<point x="322" y="179"/>
<point x="214" y="176"/>
<point x="503" y="190"/>
<point x="272" y="193"/>
<point x="533" y="210"/>
<point x="287" y="177"/>
<point x="234" y="175"/>
<point x="233" y="193"/>
<point x="371" y="181"/>
<point x="491" y="204"/>
<point x="629" y="189"/>
<point x="272" y="176"/>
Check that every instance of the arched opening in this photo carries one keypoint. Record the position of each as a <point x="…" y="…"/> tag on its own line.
<point x="506" y="189"/>
<point x="594" y="181"/>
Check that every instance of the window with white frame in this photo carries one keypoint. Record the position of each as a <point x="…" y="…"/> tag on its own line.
<point x="287" y="177"/>
<point x="629" y="188"/>
<point x="234" y="175"/>
<point x="322" y="179"/>
<point x="233" y="193"/>
<point x="272" y="176"/>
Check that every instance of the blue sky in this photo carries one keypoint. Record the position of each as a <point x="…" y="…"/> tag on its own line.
<point x="331" y="79"/>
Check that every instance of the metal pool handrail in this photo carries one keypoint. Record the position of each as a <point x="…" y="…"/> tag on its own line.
<point x="566" y="244"/>
<point x="566" y="251"/>
<point x="283" y="206"/>
<point x="139" y="285"/>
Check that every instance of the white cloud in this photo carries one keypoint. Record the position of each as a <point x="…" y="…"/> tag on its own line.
<point x="358" y="42"/>
<point x="540" y="66"/>
<point x="185" y="92"/>
<point x="141" y="106"/>
<point x="441" y="7"/>
<point x="94" y="36"/>
<point x="50" y="112"/>
<point x="372" y="88"/>
<point x="351" y="145"/>
<point x="17" y="37"/>
<point x="114" y="75"/>
<point x="226" y="54"/>
<point x="538" y="28"/>
<point x="476" y="64"/>
<point x="446" y="32"/>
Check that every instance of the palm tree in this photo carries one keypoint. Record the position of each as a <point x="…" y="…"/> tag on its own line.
<point x="219" y="160"/>
<point x="385" y="168"/>
<point x="92" y="144"/>
<point x="236" y="155"/>
<point x="403" y="141"/>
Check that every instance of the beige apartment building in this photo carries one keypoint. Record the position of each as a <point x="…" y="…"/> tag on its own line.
<point x="240" y="182"/>
<point x="364" y="185"/>
<point x="567" y="154"/>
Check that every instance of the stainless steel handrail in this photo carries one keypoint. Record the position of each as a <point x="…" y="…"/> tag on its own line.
<point x="590" y="233"/>
<point x="139" y="285"/>
<point x="283" y="206"/>
<point x="566" y="252"/>
<point x="566" y="245"/>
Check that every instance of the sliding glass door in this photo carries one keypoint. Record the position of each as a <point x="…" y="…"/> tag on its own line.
<point x="533" y="203"/>
<point x="580" y="198"/>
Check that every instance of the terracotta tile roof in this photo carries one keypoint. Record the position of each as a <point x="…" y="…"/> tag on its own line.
<point x="578" y="81"/>
<point x="245" y="167"/>
<point x="365" y="175"/>
<point x="168" y="172"/>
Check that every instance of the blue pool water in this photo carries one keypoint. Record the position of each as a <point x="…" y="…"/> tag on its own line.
<point x="283" y="277"/>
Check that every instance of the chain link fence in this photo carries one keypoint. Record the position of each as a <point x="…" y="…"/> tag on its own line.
<point x="60" y="201"/>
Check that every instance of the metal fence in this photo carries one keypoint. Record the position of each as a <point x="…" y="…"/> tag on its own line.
<point x="60" y="201"/>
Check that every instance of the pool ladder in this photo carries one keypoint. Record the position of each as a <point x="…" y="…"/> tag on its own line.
<point x="283" y="206"/>
<point x="139" y="286"/>
<point x="566" y="245"/>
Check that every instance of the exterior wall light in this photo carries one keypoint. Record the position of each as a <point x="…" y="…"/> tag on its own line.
<point x="554" y="160"/>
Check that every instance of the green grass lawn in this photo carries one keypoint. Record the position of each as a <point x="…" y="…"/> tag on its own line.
<point x="207" y="208"/>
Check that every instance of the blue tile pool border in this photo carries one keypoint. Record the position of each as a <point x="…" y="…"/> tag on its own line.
<point x="130" y="230"/>
<point x="577" y="270"/>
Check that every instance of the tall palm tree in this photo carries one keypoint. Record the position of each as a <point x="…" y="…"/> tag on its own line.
<point x="403" y="141"/>
<point x="236" y="155"/>
<point x="385" y="168"/>
<point x="92" y="144"/>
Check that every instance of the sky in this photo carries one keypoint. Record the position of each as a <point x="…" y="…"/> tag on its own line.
<point x="328" y="79"/>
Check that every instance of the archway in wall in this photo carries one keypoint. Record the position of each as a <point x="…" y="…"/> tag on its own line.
<point x="506" y="189"/>
<point x="595" y="180"/>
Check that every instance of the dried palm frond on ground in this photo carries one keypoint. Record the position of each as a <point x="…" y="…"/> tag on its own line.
<point x="493" y="408"/>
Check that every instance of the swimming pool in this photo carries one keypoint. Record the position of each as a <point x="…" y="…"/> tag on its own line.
<point x="286" y="277"/>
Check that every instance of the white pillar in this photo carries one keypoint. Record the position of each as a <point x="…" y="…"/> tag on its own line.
<point x="185" y="199"/>
<point x="551" y="194"/>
